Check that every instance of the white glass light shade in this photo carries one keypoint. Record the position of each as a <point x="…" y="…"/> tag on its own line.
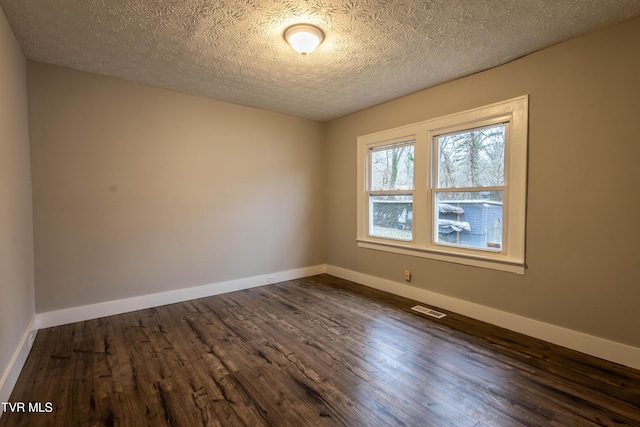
<point x="304" y="38"/>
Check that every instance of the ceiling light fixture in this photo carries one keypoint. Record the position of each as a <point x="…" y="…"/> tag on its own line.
<point x="304" y="38"/>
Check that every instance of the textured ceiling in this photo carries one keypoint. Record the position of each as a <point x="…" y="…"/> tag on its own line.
<point x="234" y="50"/>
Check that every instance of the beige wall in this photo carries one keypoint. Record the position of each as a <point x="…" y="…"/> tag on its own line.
<point x="16" y="232"/>
<point x="139" y="190"/>
<point x="583" y="237"/>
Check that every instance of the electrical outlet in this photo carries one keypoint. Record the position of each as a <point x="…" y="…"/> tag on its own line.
<point x="407" y="275"/>
<point x="32" y="338"/>
<point x="271" y="279"/>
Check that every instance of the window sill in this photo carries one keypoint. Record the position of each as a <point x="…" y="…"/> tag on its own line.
<point x="493" y="263"/>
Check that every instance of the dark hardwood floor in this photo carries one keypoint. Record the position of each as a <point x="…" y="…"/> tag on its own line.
<point x="318" y="351"/>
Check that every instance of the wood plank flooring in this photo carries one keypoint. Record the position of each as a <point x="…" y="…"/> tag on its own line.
<point x="318" y="351"/>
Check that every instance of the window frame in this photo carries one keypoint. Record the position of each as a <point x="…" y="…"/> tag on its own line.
<point x="371" y="192"/>
<point x="511" y="256"/>
<point x="493" y="122"/>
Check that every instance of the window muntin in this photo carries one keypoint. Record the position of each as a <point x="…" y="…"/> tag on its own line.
<point x="501" y="243"/>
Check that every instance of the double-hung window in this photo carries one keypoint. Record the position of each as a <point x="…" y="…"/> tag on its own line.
<point x="391" y="190"/>
<point x="451" y="188"/>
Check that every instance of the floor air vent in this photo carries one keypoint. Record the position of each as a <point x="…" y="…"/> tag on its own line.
<point x="428" y="311"/>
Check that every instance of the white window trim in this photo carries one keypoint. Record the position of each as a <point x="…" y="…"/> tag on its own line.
<point x="512" y="257"/>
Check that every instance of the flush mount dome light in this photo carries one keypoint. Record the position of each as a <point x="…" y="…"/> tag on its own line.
<point x="304" y="38"/>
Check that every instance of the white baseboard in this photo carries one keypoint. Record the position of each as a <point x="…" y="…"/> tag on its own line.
<point x="110" y="308"/>
<point x="11" y="373"/>
<point x="594" y="346"/>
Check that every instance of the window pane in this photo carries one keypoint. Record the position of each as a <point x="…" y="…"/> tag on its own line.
<point x="469" y="219"/>
<point x="391" y="216"/>
<point x="392" y="168"/>
<point x="473" y="158"/>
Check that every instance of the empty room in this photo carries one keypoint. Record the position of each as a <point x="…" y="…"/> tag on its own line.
<point x="319" y="213"/>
